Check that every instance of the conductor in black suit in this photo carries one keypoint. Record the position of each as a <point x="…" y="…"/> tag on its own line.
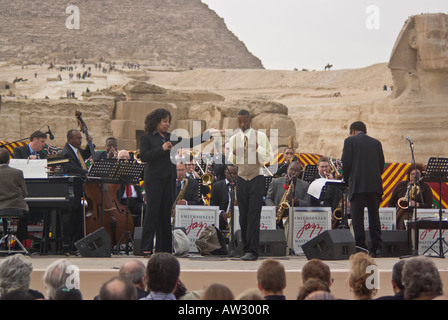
<point x="76" y="167"/>
<point x="157" y="150"/>
<point x="362" y="166"/>
<point x="33" y="149"/>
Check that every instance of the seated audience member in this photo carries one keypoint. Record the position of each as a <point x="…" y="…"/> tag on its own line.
<point x="271" y="279"/>
<point x="320" y="295"/>
<point x="56" y="276"/>
<point x="162" y="276"/>
<point x="317" y="269"/>
<point x="217" y="291"/>
<point x="118" y="289"/>
<point x="135" y="272"/>
<point x="397" y="282"/>
<point x="421" y="279"/>
<point x="359" y="262"/>
<point x="67" y="294"/>
<point x="15" y="275"/>
<point x="310" y="286"/>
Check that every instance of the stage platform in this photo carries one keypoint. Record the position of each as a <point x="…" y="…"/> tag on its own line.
<point x="197" y="272"/>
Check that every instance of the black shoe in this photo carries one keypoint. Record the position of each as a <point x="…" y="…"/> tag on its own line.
<point x="249" y="257"/>
<point x="376" y="253"/>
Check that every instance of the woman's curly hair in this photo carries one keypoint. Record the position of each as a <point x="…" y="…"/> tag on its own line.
<point x="154" y="118"/>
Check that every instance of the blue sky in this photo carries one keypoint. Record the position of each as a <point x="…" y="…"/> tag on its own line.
<point x="288" y="34"/>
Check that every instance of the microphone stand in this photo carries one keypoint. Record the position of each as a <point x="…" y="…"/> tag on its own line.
<point x="232" y="211"/>
<point x="416" y="183"/>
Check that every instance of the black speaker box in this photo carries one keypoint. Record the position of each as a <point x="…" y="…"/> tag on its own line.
<point x="337" y="244"/>
<point x="137" y="241"/>
<point x="272" y="243"/>
<point x="395" y="243"/>
<point x="97" y="244"/>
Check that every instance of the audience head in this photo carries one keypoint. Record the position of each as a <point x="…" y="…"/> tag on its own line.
<point x="57" y="275"/>
<point x="271" y="277"/>
<point x="134" y="271"/>
<point x="15" y="274"/>
<point x="217" y="291"/>
<point x="317" y="269"/>
<point x="310" y="286"/>
<point x="118" y="289"/>
<point x="250" y="294"/>
<point x="320" y="295"/>
<point x="359" y="263"/>
<point x="421" y="279"/>
<point x="397" y="276"/>
<point x="162" y="272"/>
<point x="67" y="294"/>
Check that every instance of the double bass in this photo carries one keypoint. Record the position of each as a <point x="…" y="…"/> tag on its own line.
<point x="103" y="208"/>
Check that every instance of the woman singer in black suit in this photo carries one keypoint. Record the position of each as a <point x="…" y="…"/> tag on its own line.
<point x="156" y="147"/>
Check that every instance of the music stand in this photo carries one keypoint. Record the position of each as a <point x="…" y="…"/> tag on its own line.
<point x="309" y="173"/>
<point x="437" y="171"/>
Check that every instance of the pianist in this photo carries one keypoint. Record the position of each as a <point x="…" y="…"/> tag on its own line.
<point x="33" y="149"/>
<point x="12" y="191"/>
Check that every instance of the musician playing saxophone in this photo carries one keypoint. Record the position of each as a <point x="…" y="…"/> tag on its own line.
<point x="420" y="197"/>
<point x="279" y="185"/>
<point x="191" y="194"/>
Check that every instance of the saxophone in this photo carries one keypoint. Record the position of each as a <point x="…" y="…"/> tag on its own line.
<point x="284" y="203"/>
<point x="179" y="197"/>
<point x="337" y="215"/>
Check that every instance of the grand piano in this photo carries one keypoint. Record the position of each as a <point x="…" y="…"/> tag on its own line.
<point x="55" y="196"/>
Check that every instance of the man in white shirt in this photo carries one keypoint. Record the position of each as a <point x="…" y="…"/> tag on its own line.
<point x="249" y="150"/>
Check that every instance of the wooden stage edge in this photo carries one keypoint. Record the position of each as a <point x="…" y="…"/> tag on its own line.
<point x="198" y="272"/>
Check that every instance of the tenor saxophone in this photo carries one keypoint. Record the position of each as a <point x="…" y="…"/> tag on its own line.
<point x="179" y="197"/>
<point x="284" y="203"/>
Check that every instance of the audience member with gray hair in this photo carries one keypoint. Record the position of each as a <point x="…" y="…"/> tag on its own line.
<point x="421" y="279"/>
<point x="135" y="271"/>
<point x="15" y="275"/>
<point x="60" y="274"/>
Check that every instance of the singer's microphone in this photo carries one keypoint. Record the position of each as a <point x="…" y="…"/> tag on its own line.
<point x="409" y="139"/>
<point x="50" y="134"/>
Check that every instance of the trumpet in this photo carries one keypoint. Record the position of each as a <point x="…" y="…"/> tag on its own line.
<point x="334" y="170"/>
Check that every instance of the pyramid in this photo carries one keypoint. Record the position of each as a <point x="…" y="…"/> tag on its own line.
<point x="183" y="33"/>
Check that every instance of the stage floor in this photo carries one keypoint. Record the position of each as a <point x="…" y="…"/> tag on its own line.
<point x="197" y="272"/>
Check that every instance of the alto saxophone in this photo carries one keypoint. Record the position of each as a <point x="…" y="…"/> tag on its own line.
<point x="284" y="203"/>
<point x="179" y="197"/>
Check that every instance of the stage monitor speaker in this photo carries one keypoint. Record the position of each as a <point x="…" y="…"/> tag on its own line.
<point x="137" y="241"/>
<point x="97" y="244"/>
<point x="394" y="243"/>
<point x="272" y="243"/>
<point x="337" y="244"/>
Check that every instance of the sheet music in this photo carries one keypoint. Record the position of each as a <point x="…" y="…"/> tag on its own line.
<point x="32" y="169"/>
<point x="315" y="188"/>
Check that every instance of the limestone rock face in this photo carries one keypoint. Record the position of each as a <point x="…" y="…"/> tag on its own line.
<point x="419" y="60"/>
<point x="163" y="32"/>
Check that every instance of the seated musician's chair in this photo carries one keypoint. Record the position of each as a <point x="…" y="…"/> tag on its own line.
<point x="9" y="240"/>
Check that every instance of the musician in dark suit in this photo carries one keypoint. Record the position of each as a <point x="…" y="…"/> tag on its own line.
<point x="76" y="167"/>
<point x="111" y="151"/>
<point x="12" y="191"/>
<point x="277" y="188"/>
<point x="363" y="163"/>
<point x="158" y="149"/>
<point x="33" y="149"/>
<point x="220" y="194"/>
<point x="191" y="194"/>
<point x="288" y="154"/>
<point x="330" y="195"/>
